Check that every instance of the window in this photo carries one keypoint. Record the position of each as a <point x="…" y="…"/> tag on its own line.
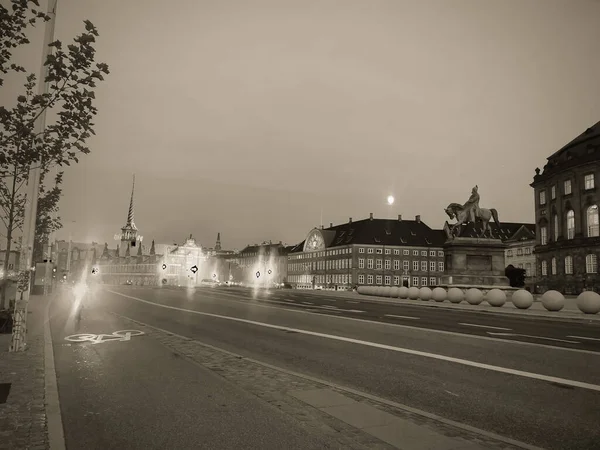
<point x="388" y="251"/>
<point x="415" y="252"/>
<point x="592" y="221"/>
<point x="361" y="250"/>
<point x="555" y="227"/>
<point x="591" y="263"/>
<point x="369" y="279"/>
<point x="508" y="253"/>
<point x="379" y="251"/>
<point x="423" y="266"/>
<point x="378" y="280"/>
<point x="440" y="266"/>
<point x="569" y="265"/>
<point x="542" y="197"/>
<point x="361" y="263"/>
<point x="432" y="281"/>
<point x="520" y="265"/>
<point x="388" y="280"/>
<point x="567" y="187"/>
<point x="544" y="268"/>
<point x="378" y="264"/>
<point x="589" y="181"/>
<point x="432" y="266"/>
<point x="388" y="264"/>
<point x="527" y="269"/>
<point x="415" y="281"/>
<point x="405" y="252"/>
<point x="570" y="224"/>
<point x="553" y="266"/>
<point x="441" y="253"/>
<point x="415" y="265"/>
<point x="405" y="265"/>
<point x="396" y="264"/>
<point x="432" y="253"/>
<point x="370" y="263"/>
<point x="528" y="251"/>
<point x="370" y="251"/>
<point x="424" y="253"/>
<point x="396" y="252"/>
<point x="553" y="192"/>
<point x="519" y="252"/>
<point x="543" y="235"/>
<point x="423" y="281"/>
<point x="396" y="280"/>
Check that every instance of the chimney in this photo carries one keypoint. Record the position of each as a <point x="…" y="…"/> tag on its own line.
<point x="330" y="224"/>
<point x="371" y="216"/>
<point x="399" y="217"/>
<point x="350" y="220"/>
<point x="322" y="227"/>
<point x="418" y="218"/>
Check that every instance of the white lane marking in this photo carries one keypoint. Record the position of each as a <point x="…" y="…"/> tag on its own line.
<point x="452" y="393"/>
<point x="287" y="300"/>
<point x="586" y="338"/>
<point x="465" y="362"/>
<point x="307" y="303"/>
<point x="336" y="311"/>
<point x="354" y="310"/>
<point x="401" y="317"/>
<point x="408" y="327"/>
<point x="484" y="326"/>
<point x="329" y="307"/>
<point x="351" y="301"/>
<point x="533" y="337"/>
<point x="124" y="335"/>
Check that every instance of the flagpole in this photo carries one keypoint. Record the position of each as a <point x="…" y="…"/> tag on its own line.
<point x="19" y="333"/>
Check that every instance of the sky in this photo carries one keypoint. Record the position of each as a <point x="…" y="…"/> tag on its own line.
<point x="261" y="119"/>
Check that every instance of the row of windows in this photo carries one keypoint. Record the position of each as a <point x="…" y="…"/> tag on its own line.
<point x="405" y="265"/>
<point x="370" y="250"/>
<point x="592" y="225"/>
<point x="129" y="268"/>
<point x="431" y="281"/>
<point x="520" y="251"/>
<point x="405" y="252"/>
<point x="588" y="182"/>
<point x="320" y="254"/>
<point x="591" y="265"/>
<point x="335" y="264"/>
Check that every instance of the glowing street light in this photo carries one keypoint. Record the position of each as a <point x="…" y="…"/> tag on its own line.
<point x="390" y="200"/>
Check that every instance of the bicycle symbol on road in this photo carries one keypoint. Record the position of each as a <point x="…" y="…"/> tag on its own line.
<point x="124" y="335"/>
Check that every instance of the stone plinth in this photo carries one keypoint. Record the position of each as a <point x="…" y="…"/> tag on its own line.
<point x="475" y="262"/>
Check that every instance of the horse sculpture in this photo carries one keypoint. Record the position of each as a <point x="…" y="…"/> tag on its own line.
<point x="456" y="210"/>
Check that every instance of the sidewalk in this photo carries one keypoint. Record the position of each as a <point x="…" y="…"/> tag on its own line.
<point x="23" y="417"/>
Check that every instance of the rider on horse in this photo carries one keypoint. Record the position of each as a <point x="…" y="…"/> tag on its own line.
<point x="472" y="205"/>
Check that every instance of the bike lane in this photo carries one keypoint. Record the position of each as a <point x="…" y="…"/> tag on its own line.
<point x="133" y="392"/>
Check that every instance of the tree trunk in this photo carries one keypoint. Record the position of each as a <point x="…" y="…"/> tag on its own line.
<point x="9" y="233"/>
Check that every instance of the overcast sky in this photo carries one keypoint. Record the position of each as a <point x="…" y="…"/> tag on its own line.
<point x="250" y="117"/>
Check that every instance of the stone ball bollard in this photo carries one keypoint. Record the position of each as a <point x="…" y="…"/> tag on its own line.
<point x="474" y="296"/>
<point x="362" y="290"/>
<point x="439" y="294"/>
<point x="553" y="300"/>
<point x="496" y="297"/>
<point x="522" y="299"/>
<point x="456" y="295"/>
<point x="386" y="292"/>
<point x="394" y="292"/>
<point x="588" y="302"/>
<point x="379" y="291"/>
<point x="425" y="293"/>
<point x="413" y="293"/>
<point x="402" y="292"/>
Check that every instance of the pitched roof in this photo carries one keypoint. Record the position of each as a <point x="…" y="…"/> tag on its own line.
<point x="587" y="136"/>
<point x="265" y="248"/>
<point x="380" y="232"/>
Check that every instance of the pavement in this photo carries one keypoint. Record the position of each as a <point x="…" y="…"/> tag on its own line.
<point x="232" y="368"/>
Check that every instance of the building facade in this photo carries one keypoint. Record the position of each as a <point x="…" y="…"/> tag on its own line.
<point x="260" y="264"/>
<point x="566" y="213"/>
<point x="372" y="252"/>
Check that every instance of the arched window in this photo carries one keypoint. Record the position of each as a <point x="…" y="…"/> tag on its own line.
<point x="553" y="266"/>
<point x="593" y="230"/>
<point x="570" y="224"/>
<point x="569" y="265"/>
<point x="591" y="263"/>
<point x="555" y="227"/>
<point x="544" y="268"/>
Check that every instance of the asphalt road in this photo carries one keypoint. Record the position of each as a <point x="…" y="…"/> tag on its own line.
<point x="521" y="404"/>
<point x="136" y="394"/>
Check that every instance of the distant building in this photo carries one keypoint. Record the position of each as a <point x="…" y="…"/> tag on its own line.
<point x="566" y="215"/>
<point x="13" y="272"/>
<point x="183" y="265"/>
<point x="262" y="264"/>
<point x="373" y="252"/>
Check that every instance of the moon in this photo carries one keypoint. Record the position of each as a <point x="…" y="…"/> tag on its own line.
<point x="390" y="199"/>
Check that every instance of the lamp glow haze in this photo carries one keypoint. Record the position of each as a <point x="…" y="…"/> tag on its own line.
<point x="390" y="199"/>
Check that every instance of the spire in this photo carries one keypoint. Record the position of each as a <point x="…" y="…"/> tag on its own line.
<point x="130" y="222"/>
<point x="152" y="249"/>
<point x="218" y="243"/>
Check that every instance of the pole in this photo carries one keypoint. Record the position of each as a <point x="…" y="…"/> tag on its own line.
<point x="19" y="334"/>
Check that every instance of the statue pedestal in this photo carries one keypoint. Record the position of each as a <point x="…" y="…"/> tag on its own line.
<point x="475" y="262"/>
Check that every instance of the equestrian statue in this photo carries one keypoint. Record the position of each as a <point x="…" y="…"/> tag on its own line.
<point x="471" y="212"/>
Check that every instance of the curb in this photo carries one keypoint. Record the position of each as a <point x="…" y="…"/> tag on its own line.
<point x="56" y="438"/>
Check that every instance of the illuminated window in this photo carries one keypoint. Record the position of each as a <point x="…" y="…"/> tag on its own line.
<point x="592" y="221"/>
<point x="556" y="227"/>
<point x="423" y="266"/>
<point x="542" y="197"/>
<point x="415" y="281"/>
<point x="396" y="264"/>
<point x="406" y="252"/>
<point x="388" y="251"/>
<point x="567" y="187"/>
<point x="544" y="268"/>
<point x="432" y="253"/>
<point x="396" y="252"/>
<point x="396" y="280"/>
<point x="370" y="263"/>
<point x="388" y="264"/>
<point x="569" y="265"/>
<point x="591" y="263"/>
<point x="553" y="266"/>
<point x="415" y="265"/>
<point x="378" y="280"/>
<point x="378" y="264"/>
<point x="415" y="252"/>
<point x="543" y="235"/>
<point x="432" y="281"/>
<point x="589" y="181"/>
<point x="440" y="266"/>
<point x="553" y="192"/>
<point x="423" y="252"/>
<point x="361" y="250"/>
<point x="570" y="224"/>
<point x="406" y="265"/>
<point x="423" y="281"/>
<point x="388" y="280"/>
<point x="432" y="266"/>
<point x="361" y="263"/>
